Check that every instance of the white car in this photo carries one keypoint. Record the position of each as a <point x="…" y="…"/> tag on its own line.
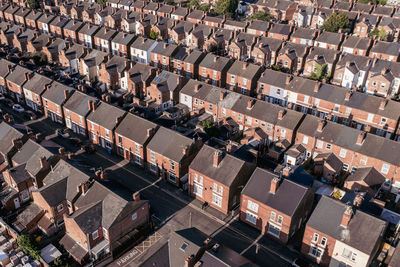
<point x="18" y="108"/>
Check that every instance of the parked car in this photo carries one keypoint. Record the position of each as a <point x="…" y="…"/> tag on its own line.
<point x="31" y="115"/>
<point x="2" y="97"/>
<point x="18" y="108"/>
<point x="301" y="263"/>
<point x="9" y="102"/>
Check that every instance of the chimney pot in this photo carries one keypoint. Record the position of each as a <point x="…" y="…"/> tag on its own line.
<point x="90" y="104"/>
<point x="217" y="158"/>
<point x="43" y="162"/>
<point x="27" y="76"/>
<point x="250" y="103"/>
<point x="196" y="87"/>
<point x="348" y="95"/>
<point x="221" y="95"/>
<point x="288" y="78"/>
<point x="360" y="138"/>
<point x="274" y="185"/>
<point x="346" y="216"/>
<point x="316" y="87"/>
<point x="383" y="104"/>
<point x="281" y="113"/>
<point x="136" y="196"/>
<point x="149" y="132"/>
<point x="66" y="93"/>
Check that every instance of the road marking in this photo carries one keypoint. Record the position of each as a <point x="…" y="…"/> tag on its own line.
<point x="193" y="206"/>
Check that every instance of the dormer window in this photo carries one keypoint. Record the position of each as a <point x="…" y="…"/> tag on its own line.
<point x="95" y="235"/>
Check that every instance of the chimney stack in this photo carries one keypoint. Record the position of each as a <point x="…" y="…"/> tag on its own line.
<point x="149" y="132"/>
<point x="274" y="185"/>
<point x="360" y="138"/>
<point x="43" y="162"/>
<point x="84" y="188"/>
<point x="348" y="95"/>
<point x="321" y="125"/>
<point x="383" y="104"/>
<point x="196" y="87"/>
<point x="367" y="128"/>
<point x="215" y="58"/>
<point x="250" y="103"/>
<point x="27" y="76"/>
<point x="66" y="93"/>
<point x="94" y="105"/>
<point x="185" y="150"/>
<point x="288" y="78"/>
<point x="217" y="157"/>
<point x="281" y="113"/>
<point x="136" y="196"/>
<point x="221" y="95"/>
<point x="316" y="87"/>
<point x="346" y="216"/>
<point x="358" y="200"/>
<point x="90" y="104"/>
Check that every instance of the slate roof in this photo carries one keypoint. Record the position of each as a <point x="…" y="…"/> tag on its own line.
<point x="165" y="49"/>
<point x="362" y="233"/>
<point x="143" y="43"/>
<point x="229" y="169"/>
<point x="368" y="175"/>
<point x="123" y="38"/>
<point x="245" y="70"/>
<point x="4" y="64"/>
<point x="390" y="48"/>
<point x="215" y="62"/>
<point x="357" y="42"/>
<point x="17" y="76"/>
<point x="329" y="38"/>
<point x="135" y="128"/>
<point x="141" y="72"/>
<point x="7" y="135"/>
<point x="78" y="103"/>
<point x="274" y="78"/>
<point x="37" y="84"/>
<point x="287" y="197"/>
<point x="169" y="144"/>
<point x="105" y="115"/>
<point x="55" y="92"/>
<point x="304" y="33"/>
<point x="94" y="58"/>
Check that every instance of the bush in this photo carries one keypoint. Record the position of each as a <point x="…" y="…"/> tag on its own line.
<point x="264" y="16"/>
<point x="29" y="245"/>
<point x="226" y="7"/>
<point x="379" y="34"/>
<point x="335" y="22"/>
<point x="153" y="35"/>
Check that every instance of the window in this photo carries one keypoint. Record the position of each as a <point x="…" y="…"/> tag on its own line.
<point x="385" y="169"/>
<point x="210" y="107"/>
<point x="328" y="146"/>
<point x="134" y="216"/>
<point x="306" y="99"/>
<point x="184" y="246"/>
<point x="105" y="233"/>
<point x="216" y="200"/>
<point x="283" y="133"/>
<point x="383" y="121"/>
<point x="316" y="102"/>
<point x="215" y="74"/>
<point x="342" y="153"/>
<point x="272" y="217"/>
<point x="363" y="160"/>
<point x="305" y="140"/>
<point x="107" y="133"/>
<point x="152" y="156"/>
<point x="319" y="144"/>
<point x="232" y="78"/>
<point x="198" y="190"/>
<point x="171" y="165"/>
<point x="315" y="237"/>
<point x="348" y="111"/>
<point x="315" y="252"/>
<point x="348" y="254"/>
<point x="252" y="206"/>
<point x="138" y="160"/>
<point x="153" y="167"/>
<point x="172" y="178"/>
<point x="248" y="120"/>
<point x="346" y="167"/>
<point x="95" y="235"/>
<point x="137" y="148"/>
<point x="337" y="107"/>
<point x="370" y="117"/>
<point x="280" y="219"/>
<point x="274" y="230"/>
<point x="250" y="217"/>
<point x="60" y="207"/>
<point x="323" y="241"/>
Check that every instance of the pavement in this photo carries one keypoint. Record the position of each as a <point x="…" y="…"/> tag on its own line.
<point x="171" y="208"/>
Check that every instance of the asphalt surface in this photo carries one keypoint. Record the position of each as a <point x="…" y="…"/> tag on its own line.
<point x="171" y="208"/>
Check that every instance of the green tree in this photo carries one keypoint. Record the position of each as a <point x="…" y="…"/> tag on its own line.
<point x="226" y="7"/>
<point x="40" y="59"/>
<point x="29" y="245"/>
<point x="34" y="4"/>
<point x="335" y="22"/>
<point x="379" y="34"/>
<point x="264" y="16"/>
<point x="277" y="68"/>
<point x="210" y="128"/>
<point x="153" y="34"/>
<point x="102" y="2"/>
<point x="320" y="73"/>
<point x="195" y="4"/>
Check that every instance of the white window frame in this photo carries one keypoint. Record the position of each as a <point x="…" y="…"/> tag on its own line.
<point x="252" y="206"/>
<point x="251" y="217"/>
<point x="95" y="235"/>
<point x="217" y="200"/>
<point x="385" y="168"/>
<point x="343" y="153"/>
<point x="272" y="216"/>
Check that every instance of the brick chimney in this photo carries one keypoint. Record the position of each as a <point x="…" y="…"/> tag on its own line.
<point x="367" y="128"/>
<point x="83" y="188"/>
<point x="274" y="185"/>
<point x="94" y="106"/>
<point x="374" y="62"/>
<point x="185" y="150"/>
<point x="217" y="157"/>
<point x="383" y="104"/>
<point x="66" y="94"/>
<point x="221" y="95"/>
<point x="136" y="196"/>
<point x="250" y="103"/>
<point x="149" y="132"/>
<point x="348" y="95"/>
<point x="346" y="216"/>
<point x="321" y="125"/>
<point x="43" y="163"/>
<point x="17" y="143"/>
<point x="358" y="200"/>
<point x="244" y="66"/>
<point x="215" y="58"/>
<point x="316" y="87"/>
<point x="360" y="138"/>
<point x="27" y="76"/>
<point x="90" y="104"/>
<point x="281" y="113"/>
<point x="288" y="78"/>
<point x="196" y="87"/>
<point x="189" y="261"/>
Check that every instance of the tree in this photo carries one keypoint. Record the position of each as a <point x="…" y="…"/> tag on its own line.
<point x="379" y="34"/>
<point x="102" y="2"/>
<point x="29" y="245"/>
<point x="153" y="34"/>
<point x="34" y="4"/>
<point x="210" y="128"/>
<point x="320" y="72"/>
<point x="335" y="22"/>
<point x="195" y="4"/>
<point x="226" y="7"/>
<point x="40" y="59"/>
<point x="264" y="16"/>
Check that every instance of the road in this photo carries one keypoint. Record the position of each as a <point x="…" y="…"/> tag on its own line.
<point x="171" y="208"/>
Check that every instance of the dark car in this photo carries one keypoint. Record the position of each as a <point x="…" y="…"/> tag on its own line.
<point x="301" y="263"/>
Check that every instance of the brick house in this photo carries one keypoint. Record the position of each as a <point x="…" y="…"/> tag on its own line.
<point x="214" y="21"/>
<point x="169" y="155"/>
<point x="280" y="10"/>
<point x="324" y="243"/>
<point x="11" y="141"/>
<point x="319" y="17"/>
<point x="76" y="109"/>
<point x="265" y="51"/>
<point x="151" y="8"/>
<point x="5" y="68"/>
<point x="69" y="58"/>
<point x="271" y="87"/>
<point x="235" y="25"/>
<point x="385" y="50"/>
<point x="103" y="38"/>
<point x="101" y="124"/>
<point x="111" y="71"/>
<point x="165" y="10"/>
<point x="120" y="44"/>
<point x="356" y="45"/>
<point x="198" y="36"/>
<point x="223" y="174"/>
<point x="213" y="69"/>
<point x="33" y="91"/>
<point x="277" y="207"/>
<point x="53" y="48"/>
<point x="186" y="62"/>
<point x="57" y="26"/>
<point x="366" y="179"/>
<point x="218" y="41"/>
<point x="15" y="80"/>
<point x="195" y="16"/>
<point x="88" y="13"/>
<point x="258" y="28"/>
<point x="391" y="27"/>
<point x="280" y="31"/>
<point x="291" y="56"/>
<point x="318" y="57"/>
<point x="37" y="43"/>
<point x="162" y="54"/>
<point x="31" y="19"/>
<point x="22" y="38"/>
<point x="364" y="24"/>
<point x="180" y="13"/>
<point x="43" y="23"/>
<point x="9" y="12"/>
<point x="383" y="78"/>
<point x="54" y="98"/>
<point x="303" y="36"/>
<point x="89" y="65"/>
<point x="71" y="30"/>
<point x="329" y="40"/>
<point x="86" y="35"/>
<point x="138" y="78"/>
<point x="241" y="45"/>
<point x="20" y="15"/>
<point x="115" y="217"/>
<point x="242" y="77"/>
<point x="132" y="144"/>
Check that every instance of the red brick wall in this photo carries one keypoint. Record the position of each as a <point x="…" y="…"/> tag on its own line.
<point x="307" y="238"/>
